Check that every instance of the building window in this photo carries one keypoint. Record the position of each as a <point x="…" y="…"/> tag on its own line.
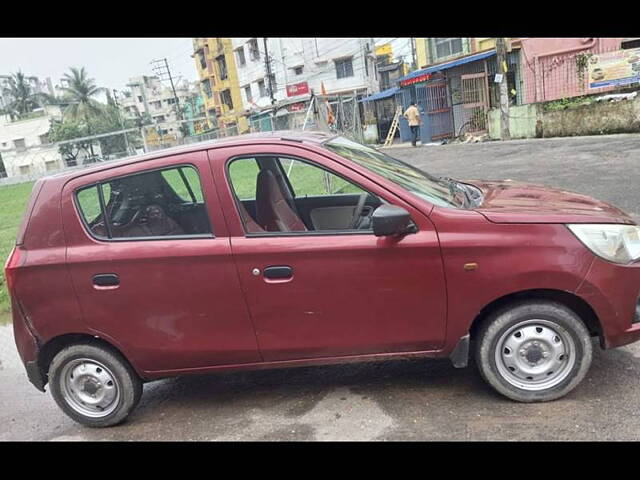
<point x="140" y="98"/>
<point x="261" y="88"/>
<point x="44" y="139"/>
<point x="25" y="169"/>
<point x="298" y="70"/>
<point x="254" y="53"/>
<point x="222" y="66"/>
<point x="240" y="56"/>
<point x="206" y="88"/>
<point x="225" y="97"/>
<point x="20" y="144"/>
<point x="446" y="47"/>
<point x="203" y="61"/>
<point x="159" y="118"/>
<point x="344" y="67"/>
<point x="51" y="165"/>
<point x="247" y="92"/>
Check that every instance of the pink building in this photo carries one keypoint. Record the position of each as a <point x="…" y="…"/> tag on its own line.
<point x="550" y="66"/>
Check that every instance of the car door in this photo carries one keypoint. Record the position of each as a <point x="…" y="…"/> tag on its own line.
<point x="157" y="279"/>
<point x="334" y="293"/>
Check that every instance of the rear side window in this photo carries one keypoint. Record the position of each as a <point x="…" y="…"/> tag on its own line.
<point x="158" y="203"/>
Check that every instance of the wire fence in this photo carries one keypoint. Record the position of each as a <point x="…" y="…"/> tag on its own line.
<point x="35" y="157"/>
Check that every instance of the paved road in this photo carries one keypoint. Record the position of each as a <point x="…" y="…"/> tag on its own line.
<point x="410" y="400"/>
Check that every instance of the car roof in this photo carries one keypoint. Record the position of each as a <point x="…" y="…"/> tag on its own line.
<point x="309" y="136"/>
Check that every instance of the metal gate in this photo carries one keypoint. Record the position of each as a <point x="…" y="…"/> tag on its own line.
<point x="475" y="100"/>
<point x="438" y="109"/>
<point x="403" y="98"/>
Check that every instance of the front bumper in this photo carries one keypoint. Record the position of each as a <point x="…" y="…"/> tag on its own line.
<point x="613" y="292"/>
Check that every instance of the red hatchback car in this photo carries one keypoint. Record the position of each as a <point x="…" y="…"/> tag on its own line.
<point x="289" y="249"/>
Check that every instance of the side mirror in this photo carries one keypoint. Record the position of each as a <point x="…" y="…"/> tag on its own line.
<point x="391" y="220"/>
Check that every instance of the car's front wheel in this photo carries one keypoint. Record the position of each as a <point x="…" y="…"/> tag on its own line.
<point x="94" y="385"/>
<point x="534" y="351"/>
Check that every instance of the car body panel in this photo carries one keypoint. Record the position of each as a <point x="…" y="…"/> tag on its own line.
<point x="179" y="303"/>
<point x="520" y="202"/>
<point x="388" y="295"/>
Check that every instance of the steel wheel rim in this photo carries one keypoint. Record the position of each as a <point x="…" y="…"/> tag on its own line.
<point x="535" y="355"/>
<point x="89" y="388"/>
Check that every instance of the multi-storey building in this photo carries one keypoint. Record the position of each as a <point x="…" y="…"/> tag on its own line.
<point x="215" y="62"/>
<point x="148" y="98"/>
<point x="292" y="70"/>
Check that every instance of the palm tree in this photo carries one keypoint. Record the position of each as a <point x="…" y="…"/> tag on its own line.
<point x="79" y="93"/>
<point x="21" y="99"/>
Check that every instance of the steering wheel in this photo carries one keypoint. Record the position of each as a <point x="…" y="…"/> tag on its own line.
<point x="358" y="211"/>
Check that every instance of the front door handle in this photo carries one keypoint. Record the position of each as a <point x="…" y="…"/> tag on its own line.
<point x="280" y="271"/>
<point x="106" y="280"/>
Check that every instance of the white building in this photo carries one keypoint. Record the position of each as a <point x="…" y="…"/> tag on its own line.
<point x="147" y="95"/>
<point x="301" y="65"/>
<point x="25" y="148"/>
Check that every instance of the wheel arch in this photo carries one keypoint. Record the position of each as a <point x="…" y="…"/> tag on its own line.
<point x="56" y="344"/>
<point x="572" y="301"/>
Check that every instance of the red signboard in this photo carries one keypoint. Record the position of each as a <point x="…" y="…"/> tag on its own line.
<point x="418" y="79"/>
<point x="297" y="89"/>
<point x="296" y="106"/>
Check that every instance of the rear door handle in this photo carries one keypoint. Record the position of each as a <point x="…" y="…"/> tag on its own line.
<point x="106" y="280"/>
<point x="280" y="271"/>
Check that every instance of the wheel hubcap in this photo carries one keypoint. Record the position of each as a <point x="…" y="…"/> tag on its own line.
<point x="535" y="354"/>
<point x="89" y="388"/>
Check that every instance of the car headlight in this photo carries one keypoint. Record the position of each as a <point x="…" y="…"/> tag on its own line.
<point x="614" y="242"/>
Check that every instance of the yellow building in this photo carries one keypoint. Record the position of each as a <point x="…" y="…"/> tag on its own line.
<point x="216" y="66"/>
<point x="430" y="51"/>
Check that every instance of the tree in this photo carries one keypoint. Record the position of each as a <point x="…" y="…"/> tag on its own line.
<point x="80" y="92"/>
<point x="22" y="99"/>
<point x="69" y="129"/>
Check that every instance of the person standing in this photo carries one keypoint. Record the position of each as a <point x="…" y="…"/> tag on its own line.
<point x="413" y="117"/>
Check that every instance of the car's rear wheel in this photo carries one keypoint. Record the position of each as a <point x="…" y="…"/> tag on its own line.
<point x="534" y="351"/>
<point x="94" y="385"/>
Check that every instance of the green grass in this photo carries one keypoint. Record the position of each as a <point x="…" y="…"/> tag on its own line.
<point x="305" y="179"/>
<point x="13" y="201"/>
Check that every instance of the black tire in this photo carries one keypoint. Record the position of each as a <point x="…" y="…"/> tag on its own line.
<point x="502" y="321"/>
<point x="126" y="380"/>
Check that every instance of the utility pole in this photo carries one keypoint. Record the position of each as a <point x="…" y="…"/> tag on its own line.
<point x="414" y="65"/>
<point x="501" y="58"/>
<point x="267" y="62"/>
<point x="164" y="71"/>
<point x="115" y="99"/>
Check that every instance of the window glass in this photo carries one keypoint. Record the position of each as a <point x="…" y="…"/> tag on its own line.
<point x="416" y="181"/>
<point x="177" y="183"/>
<point x="244" y="174"/>
<point x="89" y="203"/>
<point x="158" y="203"/>
<point x="309" y="180"/>
<point x="288" y="195"/>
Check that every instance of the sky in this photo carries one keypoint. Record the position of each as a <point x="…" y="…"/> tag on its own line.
<point x="112" y="61"/>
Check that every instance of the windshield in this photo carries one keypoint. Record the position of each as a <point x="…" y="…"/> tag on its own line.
<point x="420" y="183"/>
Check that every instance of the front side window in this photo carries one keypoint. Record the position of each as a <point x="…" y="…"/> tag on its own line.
<point x="416" y="181"/>
<point x="159" y="203"/>
<point x="280" y="194"/>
